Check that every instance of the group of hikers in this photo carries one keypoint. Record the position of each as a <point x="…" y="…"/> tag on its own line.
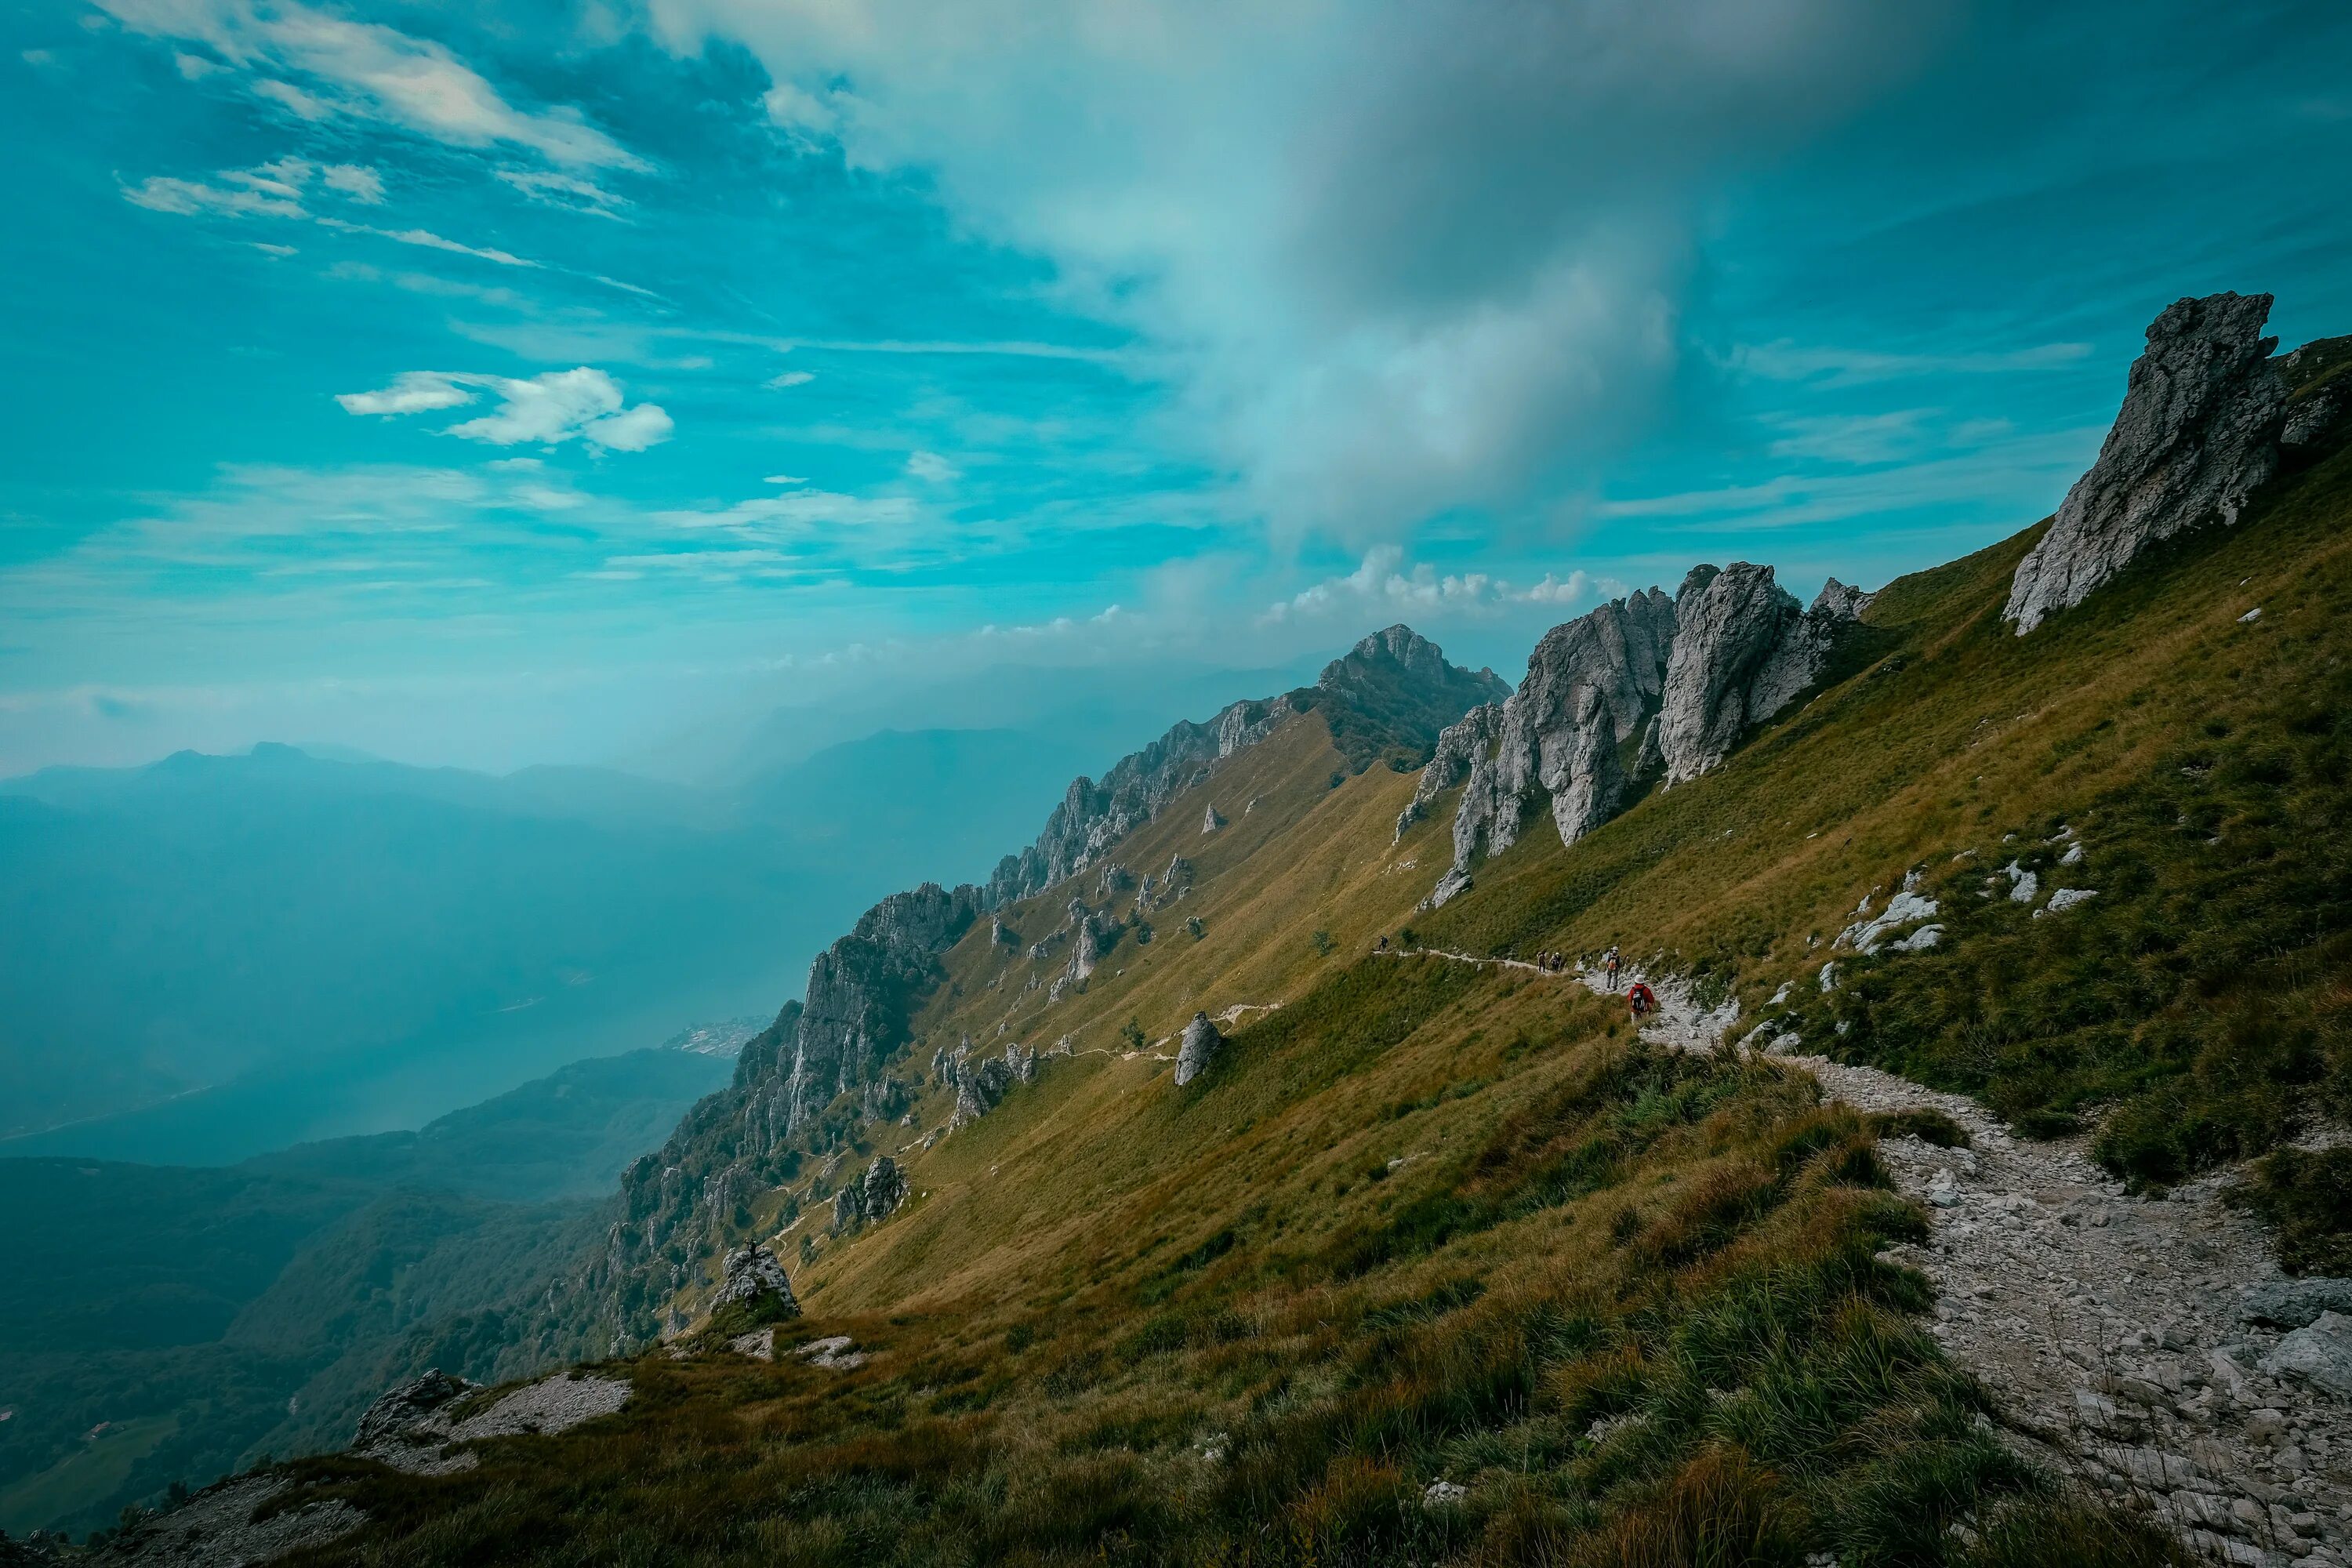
<point x="1639" y="995"/>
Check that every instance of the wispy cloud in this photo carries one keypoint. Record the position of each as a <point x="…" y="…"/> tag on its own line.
<point x="280" y="189"/>
<point x="569" y="192"/>
<point x="366" y="70"/>
<point x="548" y="409"/>
<point x="1847" y="367"/>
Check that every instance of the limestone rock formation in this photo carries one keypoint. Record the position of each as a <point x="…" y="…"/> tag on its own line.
<point x="861" y="988"/>
<point x="1095" y="814"/>
<point x="1591" y="684"/>
<point x="2198" y="434"/>
<point x="979" y="1085"/>
<point x="752" y="1274"/>
<point x="1202" y="1042"/>
<point x="399" y="1409"/>
<point x="2295" y="1304"/>
<point x="1842" y="601"/>
<point x="1461" y="745"/>
<point x="1742" y="649"/>
<point x="873" y="1198"/>
<point x="1211" y="820"/>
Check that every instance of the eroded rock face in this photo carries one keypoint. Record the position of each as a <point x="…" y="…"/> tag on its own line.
<point x="1095" y="815"/>
<point x="1742" y="649"/>
<point x="1591" y="683"/>
<point x="1842" y="601"/>
<point x="874" y="1197"/>
<point x="1460" y="746"/>
<point x="860" y="991"/>
<point x="1201" y="1044"/>
<point x="2198" y="434"/>
<point x="979" y="1086"/>
<point x="752" y="1274"/>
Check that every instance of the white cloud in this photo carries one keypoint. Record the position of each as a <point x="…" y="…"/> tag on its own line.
<point x="931" y="469"/>
<point x="567" y="190"/>
<point x="789" y="379"/>
<point x="548" y="409"/>
<point x="362" y="185"/>
<point x="287" y="96"/>
<point x="189" y="199"/>
<point x="411" y="391"/>
<point x="370" y="72"/>
<point x="1850" y="367"/>
<point x="195" y="68"/>
<point x="1383" y="580"/>
<point x="1400" y="257"/>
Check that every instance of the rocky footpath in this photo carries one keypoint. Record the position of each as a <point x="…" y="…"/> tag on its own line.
<point x="2147" y="1348"/>
<point x="2199" y="431"/>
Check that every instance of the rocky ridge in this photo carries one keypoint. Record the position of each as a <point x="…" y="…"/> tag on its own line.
<point x="1686" y="675"/>
<point x="2203" y="414"/>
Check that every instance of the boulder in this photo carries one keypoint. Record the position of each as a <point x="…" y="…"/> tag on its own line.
<point x="1211" y="821"/>
<point x="2319" y="1354"/>
<point x="400" y="1410"/>
<point x="1201" y="1044"/>
<point x="2198" y="434"/>
<point x="2294" y="1303"/>
<point x="752" y="1274"/>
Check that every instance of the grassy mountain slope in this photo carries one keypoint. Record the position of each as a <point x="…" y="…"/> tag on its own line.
<point x="1431" y="1221"/>
<point x="191" y="1318"/>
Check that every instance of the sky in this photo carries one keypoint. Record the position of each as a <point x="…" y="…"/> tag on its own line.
<point x="536" y="381"/>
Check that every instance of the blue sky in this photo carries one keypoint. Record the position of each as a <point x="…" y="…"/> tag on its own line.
<point x="540" y="381"/>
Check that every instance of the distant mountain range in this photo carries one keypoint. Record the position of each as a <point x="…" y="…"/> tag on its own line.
<point x="210" y="956"/>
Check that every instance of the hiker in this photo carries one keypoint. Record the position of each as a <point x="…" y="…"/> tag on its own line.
<point x="1643" y="999"/>
<point x="1611" y="962"/>
<point x="1382" y="945"/>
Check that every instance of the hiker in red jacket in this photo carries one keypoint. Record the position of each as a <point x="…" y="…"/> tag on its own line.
<point x="1643" y="999"/>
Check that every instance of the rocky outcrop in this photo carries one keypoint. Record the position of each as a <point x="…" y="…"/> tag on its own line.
<point x="753" y="1276"/>
<point x="1742" y="650"/>
<point x="1391" y="696"/>
<point x="403" y="1408"/>
<point x="1202" y="1042"/>
<point x="2198" y="433"/>
<point x="871" y="1199"/>
<point x="980" y="1085"/>
<point x="1212" y="819"/>
<point x="862" y="989"/>
<point x="1591" y="684"/>
<point x="1461" y="745"/>
<point x="1841" y="601"/>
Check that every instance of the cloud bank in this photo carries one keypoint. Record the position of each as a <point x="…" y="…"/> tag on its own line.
<point x="1401" y="258"/>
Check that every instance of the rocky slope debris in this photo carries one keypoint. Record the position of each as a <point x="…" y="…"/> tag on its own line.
<point x="2199" y="431"/>
<point x="1201" y="1044"/>
<point x="241" y="1523"/>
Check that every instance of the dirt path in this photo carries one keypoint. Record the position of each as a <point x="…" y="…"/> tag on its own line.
<point x="2107" y="1328"/>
